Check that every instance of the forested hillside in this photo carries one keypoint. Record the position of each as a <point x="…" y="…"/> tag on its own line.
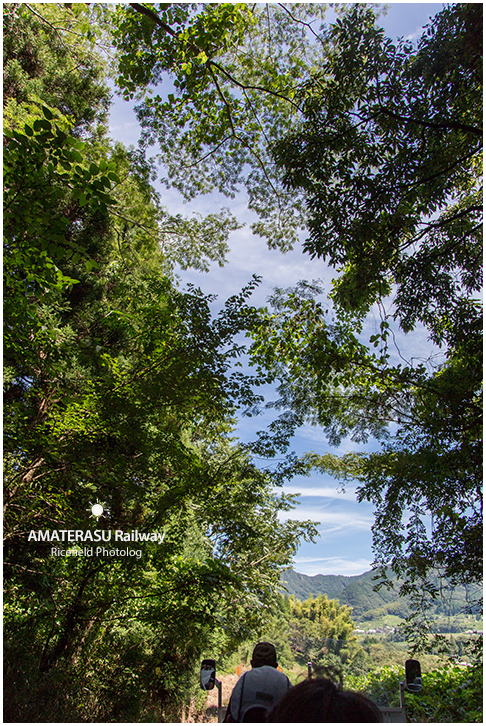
<point x="359" y="592"/>
<point x="141" y="533"/>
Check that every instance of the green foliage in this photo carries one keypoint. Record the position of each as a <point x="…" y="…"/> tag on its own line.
<point x="453" y="695"/>
<point x="368" y="603"/>
<point x="325" y="375"/>
<point x="120" y="388"/>
<point x="316" y="629"/>
<point x="449" y="695"/>
<point x="380" y="685"/>
<point x="48" y="181"/>
<point x="235" y="70"/>
<point x="388" y="158"/>
<point x="49" y="51"/>
<point x="136" y="417"/>
<point x="323" y="617"/>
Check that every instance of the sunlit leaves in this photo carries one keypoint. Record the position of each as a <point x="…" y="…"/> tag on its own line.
<point x="319" y="626"/>
<point x="388" y="158"/>
<point x="235" y="70"/>
<point x="325" y="375"/>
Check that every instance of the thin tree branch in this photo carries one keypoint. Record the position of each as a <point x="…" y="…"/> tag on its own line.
<point x="210" y="63"/>
<point x="456" y="125"/>
<point x="301" y="22"/>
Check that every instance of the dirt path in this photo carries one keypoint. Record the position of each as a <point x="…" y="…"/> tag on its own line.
<point x="229" y="682"/>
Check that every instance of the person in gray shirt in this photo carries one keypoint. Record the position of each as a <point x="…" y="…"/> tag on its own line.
<point x="258" y="690"/>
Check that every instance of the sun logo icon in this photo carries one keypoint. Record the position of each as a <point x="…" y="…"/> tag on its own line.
<point x="97" y="509"/>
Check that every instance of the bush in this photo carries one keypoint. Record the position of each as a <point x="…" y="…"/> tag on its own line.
<point x="451" y="695"/>
<point x="382" y="685"/>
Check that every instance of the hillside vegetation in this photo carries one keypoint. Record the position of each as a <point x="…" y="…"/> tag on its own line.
<point x="321" y="631"/>
<point x="458" y="604"/>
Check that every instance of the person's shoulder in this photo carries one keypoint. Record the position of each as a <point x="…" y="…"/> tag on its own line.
<point x="268" y="673"/>
<point x="270" y="669"/>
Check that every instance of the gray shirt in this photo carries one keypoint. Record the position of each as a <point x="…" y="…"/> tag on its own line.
<point x="262" y="686"/>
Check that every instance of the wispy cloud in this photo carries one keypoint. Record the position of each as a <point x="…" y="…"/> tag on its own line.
<point x="343" y="520"/>
<point x="331" y="521"/>
<point x="331" y="566"/>
<point x="348" y="495"/>
<point x="417" y="33"/>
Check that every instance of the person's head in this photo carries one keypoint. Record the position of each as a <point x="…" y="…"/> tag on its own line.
<point x="264" y="654"/>
<point x="319" y="700"/>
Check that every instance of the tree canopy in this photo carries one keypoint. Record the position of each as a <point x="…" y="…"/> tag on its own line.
<point x="123" y="389"/>
<point x="389" y="159"/>
<point x="231" y="73"/>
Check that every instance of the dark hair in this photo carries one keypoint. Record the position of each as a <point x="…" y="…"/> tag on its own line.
<point x="319" y="700"/>
<point x="264" y="654"/>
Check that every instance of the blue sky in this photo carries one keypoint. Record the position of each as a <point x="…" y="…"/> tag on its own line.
<point x="344" y="545"/>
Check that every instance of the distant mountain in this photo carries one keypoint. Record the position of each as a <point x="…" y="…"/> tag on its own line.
<point x="357" y="591"/>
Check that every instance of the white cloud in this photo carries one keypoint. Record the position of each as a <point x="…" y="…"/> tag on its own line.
<point x="321" y="491"/>
<point x="416" y="34"/>
<point x="123" y="122"/>
<point x="331" y="566"/>
<point x="249" y="254"/>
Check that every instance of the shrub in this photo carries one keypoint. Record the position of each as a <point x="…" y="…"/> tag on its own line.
<point x="451" y="695"/>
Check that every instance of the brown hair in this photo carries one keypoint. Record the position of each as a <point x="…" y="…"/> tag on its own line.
<point x="319" y="700"/>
